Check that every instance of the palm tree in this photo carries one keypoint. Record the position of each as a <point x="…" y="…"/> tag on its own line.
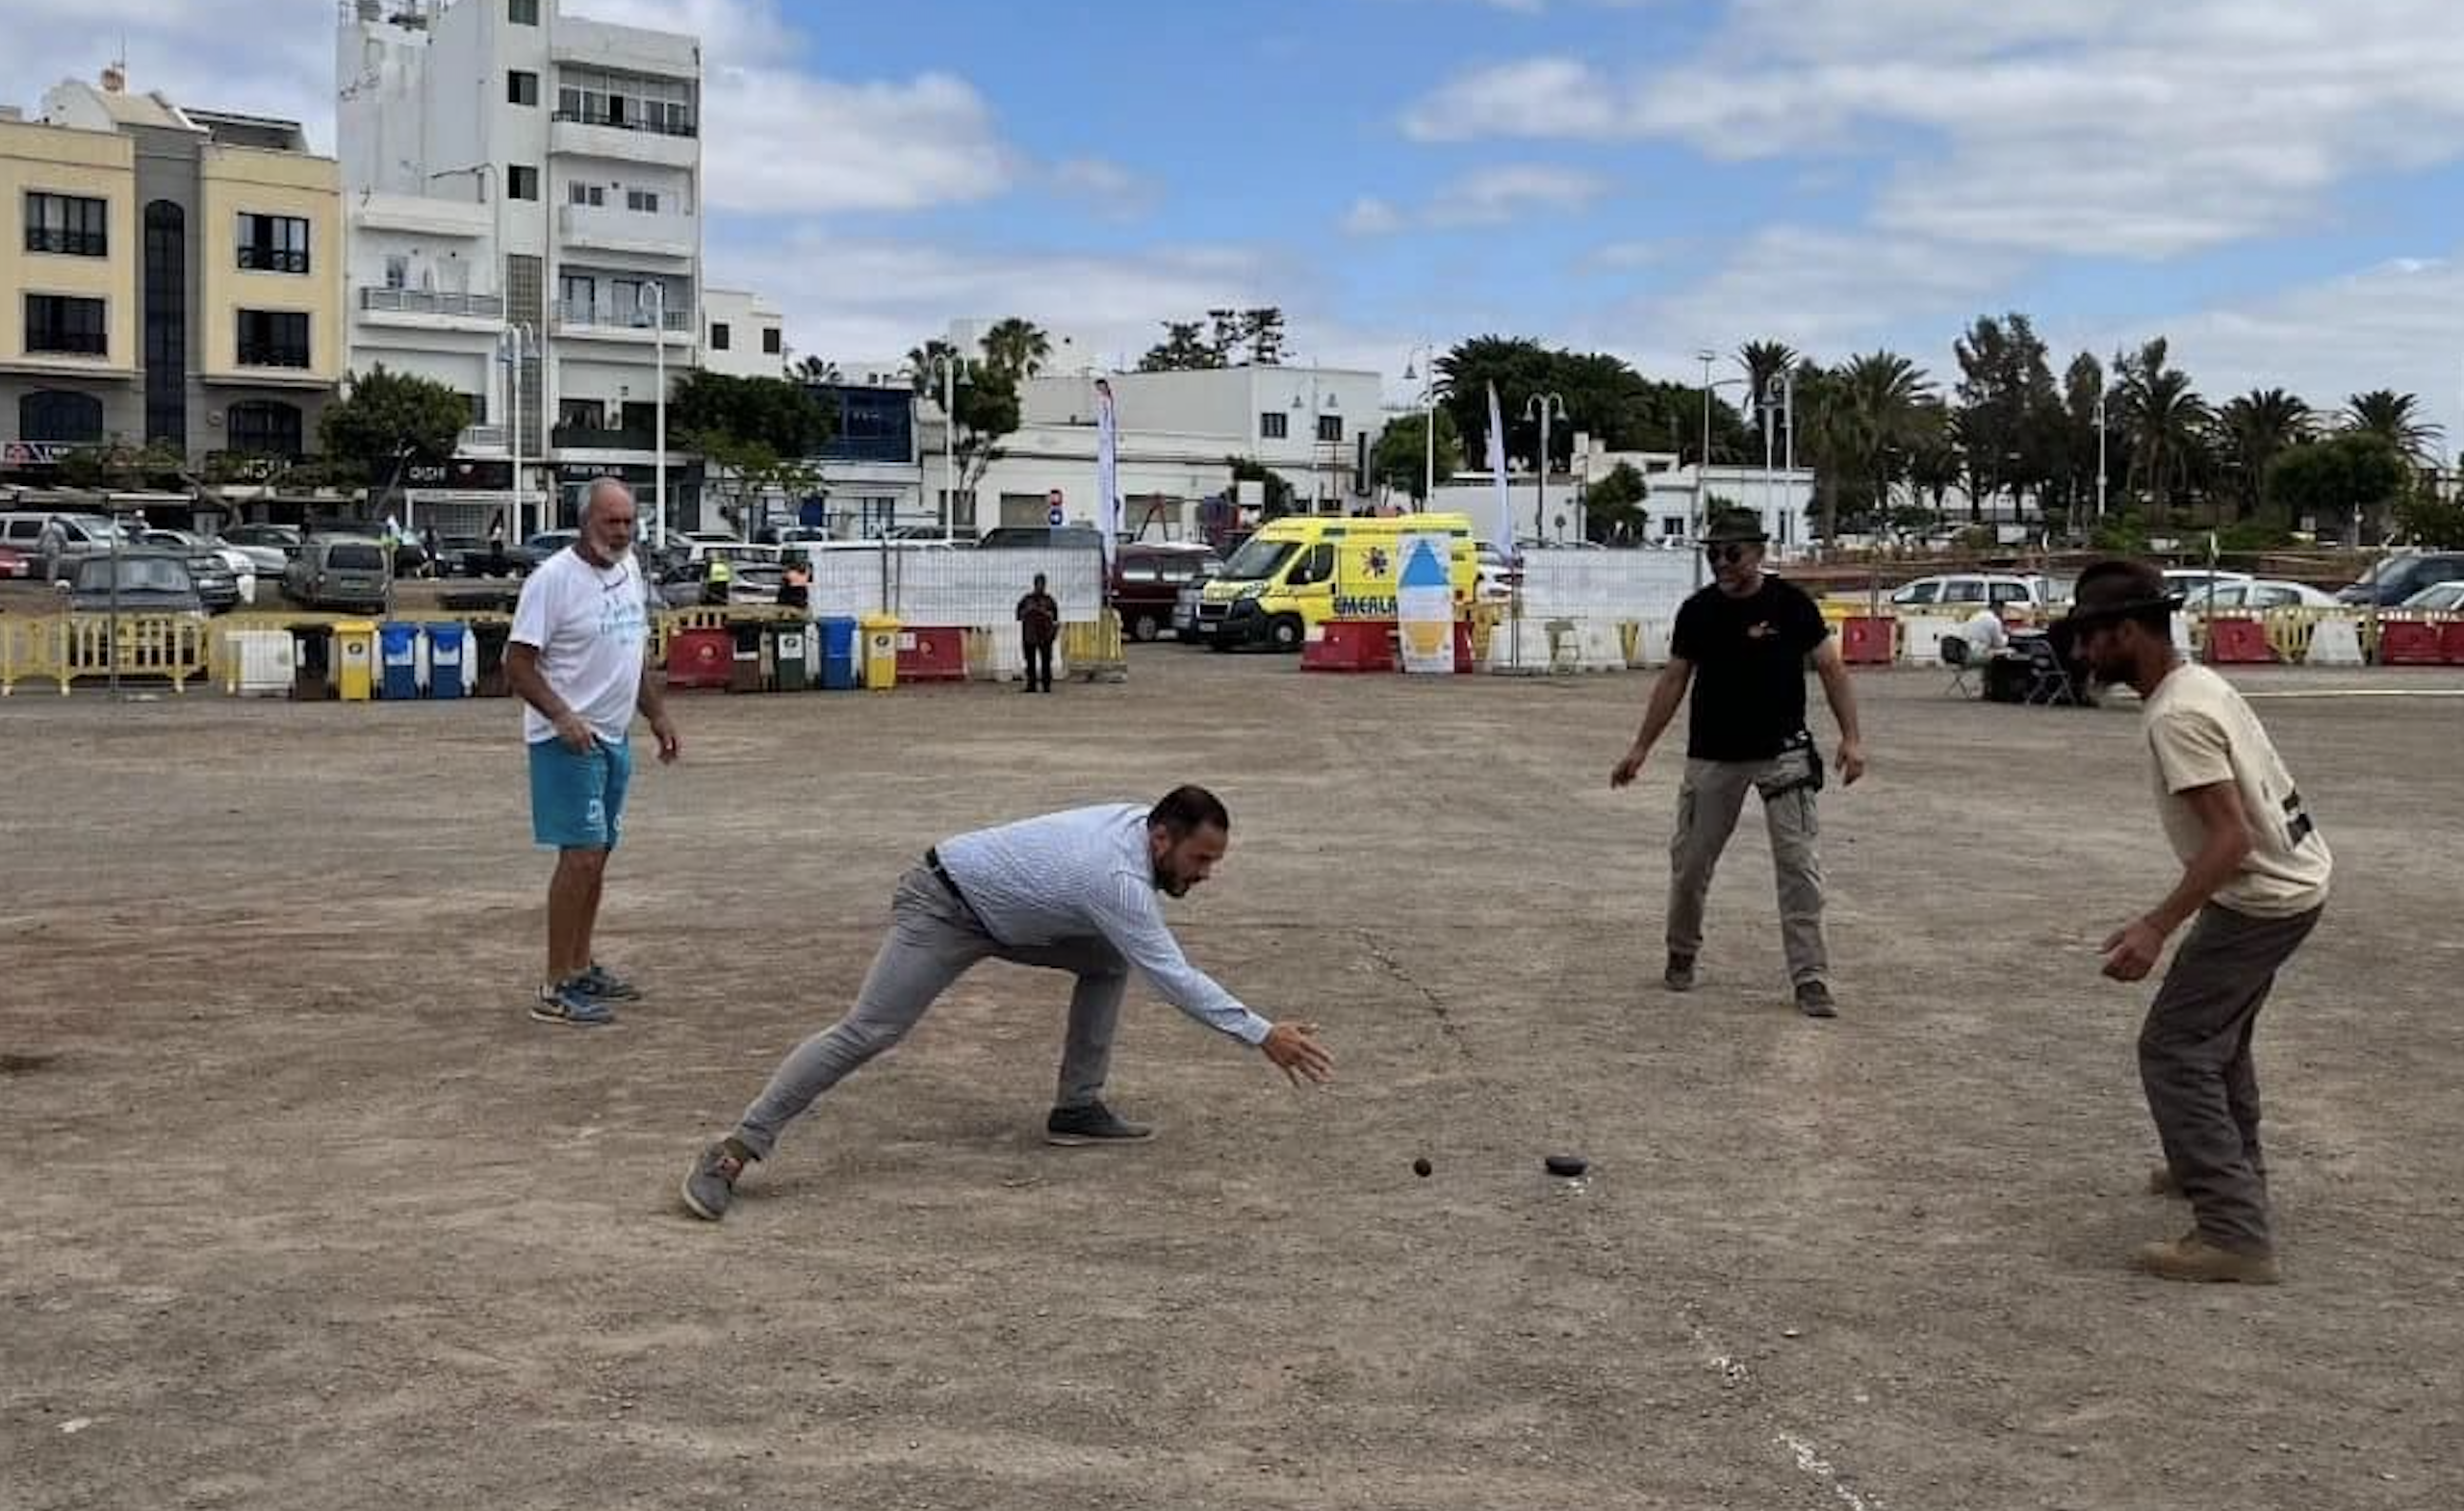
<point x="1016" y="346"/>
<point x="2163" y="422"/>
<point x="809" y="369"/>
<point x="1765" y="360"/>
<point x="2384" y="412"/>
<point x="2252" y="430"/>
<point x="921" y="364"/>
<point x="1884" y="396"/>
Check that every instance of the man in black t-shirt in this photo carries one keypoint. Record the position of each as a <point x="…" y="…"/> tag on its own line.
<point x="1741" y="645"/>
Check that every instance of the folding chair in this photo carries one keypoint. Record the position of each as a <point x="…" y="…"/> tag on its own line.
<point x="1960" y="655"/>
<point x="2048" y="680"/>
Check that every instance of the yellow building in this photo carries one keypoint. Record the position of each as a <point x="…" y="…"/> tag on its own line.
<point x="69" y="255"/>
<point x="206" y="316"/>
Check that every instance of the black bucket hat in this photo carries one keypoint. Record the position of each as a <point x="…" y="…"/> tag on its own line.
<point x="2110" y="591"/>
<point x="1735" y="528"/>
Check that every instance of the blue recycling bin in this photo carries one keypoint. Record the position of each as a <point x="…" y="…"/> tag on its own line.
<point x="841" y="670"/>
<point x="398" y="654"/>
<point x="448" y="663"/>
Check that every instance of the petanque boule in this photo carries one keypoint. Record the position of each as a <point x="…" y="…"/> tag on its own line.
<point x="1568" y="1165"/>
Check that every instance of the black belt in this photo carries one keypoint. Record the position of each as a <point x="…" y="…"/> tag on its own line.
<point x="940" y="874"/>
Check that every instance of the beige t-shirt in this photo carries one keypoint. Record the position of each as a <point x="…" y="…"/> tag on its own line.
<point x="2202" y="733"/>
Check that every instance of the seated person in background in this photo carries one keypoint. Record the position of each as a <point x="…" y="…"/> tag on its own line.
<point x="1986" y="634"/>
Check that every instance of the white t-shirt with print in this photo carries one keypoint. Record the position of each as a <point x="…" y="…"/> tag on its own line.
<point x="588" y="625"/>
<point x="2203" y="734"/>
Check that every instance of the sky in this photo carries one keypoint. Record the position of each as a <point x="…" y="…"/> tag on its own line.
<point x="2276" y="186"/>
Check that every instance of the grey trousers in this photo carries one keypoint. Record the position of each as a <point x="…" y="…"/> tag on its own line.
<point x="2195" y="1060"/>
<point x="932" y="941"/>
<point x="1707" y="806"/>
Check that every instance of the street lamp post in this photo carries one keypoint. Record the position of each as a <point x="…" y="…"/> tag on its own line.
<point x="516" y="340"/>
<point x="1541" y="405"/>
<point x="2100" y="457"/>
<point x="658" y="295"/>
<point x="1429" y="422"/>
<point x="948" y="363"/>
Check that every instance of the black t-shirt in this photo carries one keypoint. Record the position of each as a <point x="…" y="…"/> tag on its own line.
<point x="1749" y="658"/>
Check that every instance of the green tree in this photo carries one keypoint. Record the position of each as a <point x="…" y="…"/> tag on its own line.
<point x="1765" y="361"/>
<point x="2395" y="417"/>
<point x="986" y="398"/>
<point x="2075" y="452"/>
<point x="2252" y="430"/>
<point x="2340" y="482"/>
<point x="2009" y="428"/>
<point x="776" y="412"/>
<point x="1888" y="410"/>
<point x="1401" y="459"/>
<point x="1184" y="349"/>
<point x="1280" y="493"/>
<point x="746" y="472"/>
<point x="2165" y="423"/>
<point x="2427" y="520"/>
<point x="1615" y="504"/>
<point x="1256" y="335"/>
<point x="1017" y="346"/>
<point x="384" y="418"/>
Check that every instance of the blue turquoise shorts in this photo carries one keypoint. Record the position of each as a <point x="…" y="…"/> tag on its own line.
<point x="578" y="802"/>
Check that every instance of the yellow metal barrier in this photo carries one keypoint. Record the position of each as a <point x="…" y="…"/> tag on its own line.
<point x="65" y="647"/>
<point x="1093" y="646"/>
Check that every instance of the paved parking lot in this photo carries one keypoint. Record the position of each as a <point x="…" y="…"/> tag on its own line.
<point x="303" y="1211"/>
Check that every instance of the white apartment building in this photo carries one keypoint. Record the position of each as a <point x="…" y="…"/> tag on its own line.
<point x="520" y="179"/>
<point x="1313" y="426"/>
<point x="743" y="335"/>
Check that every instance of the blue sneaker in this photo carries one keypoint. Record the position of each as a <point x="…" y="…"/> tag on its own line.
<point x="605" y="984"/>
<point x="567" y="1003"/>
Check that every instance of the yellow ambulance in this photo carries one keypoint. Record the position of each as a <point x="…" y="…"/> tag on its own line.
<point x="1300" y="570"/>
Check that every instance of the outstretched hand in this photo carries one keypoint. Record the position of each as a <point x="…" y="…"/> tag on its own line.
<point x="1295" y="1049"/>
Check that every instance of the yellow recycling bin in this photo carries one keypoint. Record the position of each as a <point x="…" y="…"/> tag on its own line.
<point x="355" y="659"/>
<point x="880" y="651"/>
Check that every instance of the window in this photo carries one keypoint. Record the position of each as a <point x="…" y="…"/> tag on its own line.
<point x="1274" y="426"/>
<point x="397" y="271"/>
<point x="52" y="414"/>
<point x="56" y="322"/>
<point x="522" y="183"/>
<point x="770" y="340"/>
<point x="1924" y="592"/>
<point x="1330" y="427"/>
<point x="520" y="88"/>
<point x="630" y="102"/>
<point x="273" y="339"/>
<point x="166" y="325"/>
<point x="585" y="193"/>
<point x="273" y="243"/>
<point x="262" y="428"/>
<point x="522" y="12"/>
<point x="644" y="200"/>
<point x="718" y="335"/>
<point x="581" y="414"/>
<point x="68" y="224"/>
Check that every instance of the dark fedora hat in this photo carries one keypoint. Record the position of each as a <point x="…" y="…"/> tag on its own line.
<point x="1735" y="528"/>
<point x="2110" y="591"/>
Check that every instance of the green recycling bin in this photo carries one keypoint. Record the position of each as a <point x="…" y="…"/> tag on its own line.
<point x="791" y="657"/>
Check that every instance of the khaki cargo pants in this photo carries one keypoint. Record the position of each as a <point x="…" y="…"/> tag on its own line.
<point x="1707" y="806"/>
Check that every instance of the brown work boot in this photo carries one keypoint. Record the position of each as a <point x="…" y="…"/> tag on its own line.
<point x="2160" y="1181"/>
<point x="2192" y="1257"/>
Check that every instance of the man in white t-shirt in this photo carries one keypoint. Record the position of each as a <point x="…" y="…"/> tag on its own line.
<point x="1986" y="634"/>
<point x="577" y="647"/>
<point x="2254" y="873"/>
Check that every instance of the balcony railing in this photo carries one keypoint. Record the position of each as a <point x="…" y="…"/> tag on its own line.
<point x="269" y="259"/>
<point x="619" y="317"/>
<point x="426" y="302"/>
<point x="593" y="437"/>
<point x="665" y="127"/>
<point x="481" y="437"/>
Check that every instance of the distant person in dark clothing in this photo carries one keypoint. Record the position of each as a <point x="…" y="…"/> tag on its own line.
<point x="1038" y="626"/>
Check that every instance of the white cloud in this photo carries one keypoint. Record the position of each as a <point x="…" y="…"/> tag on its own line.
<point x="1486" y="197"/>
<point x="1115" y="190"/>
<point x="270" y="58"/>
<point x="2070" y="126"/>
<point x="796" y="143"/>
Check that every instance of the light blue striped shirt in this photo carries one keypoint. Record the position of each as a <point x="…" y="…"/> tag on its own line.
<point x="1088" y="872"/>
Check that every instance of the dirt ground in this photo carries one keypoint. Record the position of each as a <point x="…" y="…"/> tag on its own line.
<point x="301" y="1209"/>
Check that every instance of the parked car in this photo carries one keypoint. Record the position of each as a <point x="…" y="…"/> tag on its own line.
<point x="284" y="540"/>
<point x="1962" y="592"/>
<point x="238" y="561"/>
<point x="1499" y="575"/>
<point x="2255" y="594"/>
<point x="1031" y="537"/>
<point x="15" y="563"/>
<point x="66" y="539"/>
<point x="345" y="572"/>
<point x="526" y="556"/>
<point x="2398" y="577"/>
<point x="149" y="581"/>
<point x="1147" y="580"/>
<point x="2444" y="598"/>
<point x="749" y="582"/>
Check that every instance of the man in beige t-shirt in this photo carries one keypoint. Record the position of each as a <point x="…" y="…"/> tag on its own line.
<point x="2255" y="873"/>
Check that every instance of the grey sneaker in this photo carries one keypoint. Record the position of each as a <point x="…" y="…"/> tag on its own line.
<point x="1813" y="1000"/>
<point x="569" y="1004"/>
<point x="1679" y="975"/>
<point x="711" y="1184"/>
<point x="605" y="984"/>
<point x="1092" y="1123"/>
